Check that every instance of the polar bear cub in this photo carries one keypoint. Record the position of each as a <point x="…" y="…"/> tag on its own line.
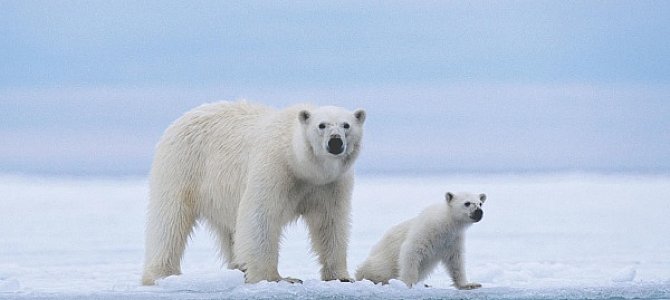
<point x="410" y="250"/>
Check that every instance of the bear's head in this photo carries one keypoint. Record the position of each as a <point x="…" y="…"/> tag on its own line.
<point x="333" y="131"/>
<point x="465" y="206"/>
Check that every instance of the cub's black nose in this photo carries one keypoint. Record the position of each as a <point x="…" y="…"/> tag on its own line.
<point x="477" y="215"/>
<point x="335" y="146"/>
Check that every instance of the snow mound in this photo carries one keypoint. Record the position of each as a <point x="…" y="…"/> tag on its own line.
<point x="626" y="274"/>
<point x="218" y="282"/>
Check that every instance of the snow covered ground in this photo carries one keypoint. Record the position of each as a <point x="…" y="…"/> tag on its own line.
<point x="567" y="236"/>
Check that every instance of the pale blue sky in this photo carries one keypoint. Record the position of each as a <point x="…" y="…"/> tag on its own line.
<point x="86" y="87"/>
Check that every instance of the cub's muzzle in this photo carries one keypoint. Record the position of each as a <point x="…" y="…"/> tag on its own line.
<point x="477" y="215"/>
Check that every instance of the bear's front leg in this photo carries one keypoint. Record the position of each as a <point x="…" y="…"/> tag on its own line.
<point x="257" y="240"/>
<point x="329" y="232"/>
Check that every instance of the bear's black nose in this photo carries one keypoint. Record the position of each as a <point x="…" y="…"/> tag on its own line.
<point x="335" y="146"/>
<point x="477" y="215"/>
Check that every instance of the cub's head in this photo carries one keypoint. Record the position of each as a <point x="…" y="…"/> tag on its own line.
<point x="333" y="131"/>
<point x="465" y="206"/>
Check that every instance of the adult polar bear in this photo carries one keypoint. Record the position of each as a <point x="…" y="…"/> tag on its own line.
<point x="247" y="170"/>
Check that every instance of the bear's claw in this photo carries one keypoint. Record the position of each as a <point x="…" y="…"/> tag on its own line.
<point x="469" y="286"/>
<point x="291" y="280"/>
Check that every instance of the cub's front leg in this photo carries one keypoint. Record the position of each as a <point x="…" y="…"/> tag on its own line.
<point x="453" y="262"/>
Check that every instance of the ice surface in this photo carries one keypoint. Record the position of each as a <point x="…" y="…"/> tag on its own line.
<point x="569" y="236"/>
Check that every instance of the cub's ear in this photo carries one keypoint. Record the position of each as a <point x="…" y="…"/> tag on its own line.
<point x="359" y="114"/>
<point x="449" y="196"/>
<point x="304" y="116"/>
<point x="482" y="197"/>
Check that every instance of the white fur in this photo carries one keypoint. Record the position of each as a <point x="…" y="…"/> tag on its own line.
<point x="247" y="170"/>
<point x="411" y="250"/>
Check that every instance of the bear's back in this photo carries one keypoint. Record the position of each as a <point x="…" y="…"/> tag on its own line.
<point x="212" y="124"/>
<point x="205" y="138"/>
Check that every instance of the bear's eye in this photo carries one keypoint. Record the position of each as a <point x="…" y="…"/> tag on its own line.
<point x="322" y="126"/>
<point x="467" y="204"/>
<point x="346" y="125"/>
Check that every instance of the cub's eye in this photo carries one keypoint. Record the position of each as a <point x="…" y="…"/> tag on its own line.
<point x="322" y="126"/>
<point x="467" y="204"/>
<point x="346" y="125"/>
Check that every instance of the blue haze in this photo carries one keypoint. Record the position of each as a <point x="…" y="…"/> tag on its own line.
<point x="87" y="87"/>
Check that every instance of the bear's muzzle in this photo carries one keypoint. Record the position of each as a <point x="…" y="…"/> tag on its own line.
<point x="335" y="145"/>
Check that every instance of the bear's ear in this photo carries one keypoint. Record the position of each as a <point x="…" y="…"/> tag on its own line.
<point x="360" y="115"/>
<point x="482" y="197"/>
<point x="303" y="116"/>
<point x="449" y="196"/>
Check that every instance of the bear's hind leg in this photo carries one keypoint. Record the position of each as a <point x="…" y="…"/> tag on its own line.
<point x="169" y="225"/>
<point x="226" y="246"/>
